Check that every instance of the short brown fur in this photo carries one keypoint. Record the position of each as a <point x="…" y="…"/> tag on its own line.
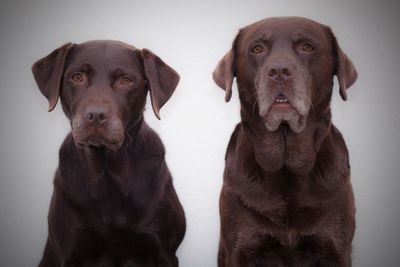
<point x="286" y="199"/>
<point x="114" y="203"/>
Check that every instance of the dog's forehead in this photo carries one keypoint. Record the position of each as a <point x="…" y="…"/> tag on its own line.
<point x="284" y="27"/>
<point x="105" y="54"/>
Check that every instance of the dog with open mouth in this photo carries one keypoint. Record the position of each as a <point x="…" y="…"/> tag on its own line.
<point x="113" y="203"/>
<point x="286" y="198"/>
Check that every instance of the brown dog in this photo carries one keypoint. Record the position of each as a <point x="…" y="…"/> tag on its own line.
<point x="113" y="203"/>
<point x="286" y="198"/>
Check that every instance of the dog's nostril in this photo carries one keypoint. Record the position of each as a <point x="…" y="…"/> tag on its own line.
<point x="279" y="71"/>
<point x="286" y="72"/>
<point x="102" y="117"/>
<point x="96" y="116"/>
<point x="272" y="73"/>
<point x="90" y="116"/>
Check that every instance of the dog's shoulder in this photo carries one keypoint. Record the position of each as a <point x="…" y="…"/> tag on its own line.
<point x="341" y="145"/>
<point x="149" y="143"/>
<point x="336" y="142"/>
<point x="233" y="140"/>
<point x="333" y="157"/>
<point x="68" y="149"/>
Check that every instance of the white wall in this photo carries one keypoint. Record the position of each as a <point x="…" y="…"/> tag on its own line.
<point x="196" y="123"/>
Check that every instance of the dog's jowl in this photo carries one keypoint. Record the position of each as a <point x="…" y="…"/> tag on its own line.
<point x="286" y="199"/>
<point x="113" y="202"/>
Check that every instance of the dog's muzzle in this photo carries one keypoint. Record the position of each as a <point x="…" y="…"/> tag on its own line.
<point x="98" y="128"/>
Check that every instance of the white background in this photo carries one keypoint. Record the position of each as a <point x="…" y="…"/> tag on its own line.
<point x="196" y="123"/>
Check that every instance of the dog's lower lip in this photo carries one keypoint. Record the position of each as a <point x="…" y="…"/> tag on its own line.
<point x="92" y="144"/>
<point x="281" y="104"/>
<point x="95" y="146"/>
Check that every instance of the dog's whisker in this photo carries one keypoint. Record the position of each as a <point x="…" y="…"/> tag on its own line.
<point x="254" y="108"/>
<point x="255" y="102"/>
<point x="309" y="102"/>
<point x="129" y="137"/>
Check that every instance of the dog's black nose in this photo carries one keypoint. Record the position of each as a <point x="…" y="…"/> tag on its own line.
<point x="279" y="70"/>
<point x="96" y="115"/>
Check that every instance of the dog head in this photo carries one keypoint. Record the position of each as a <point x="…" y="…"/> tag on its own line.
<point x="284" y="68"/>
<point x="103" y="87"/>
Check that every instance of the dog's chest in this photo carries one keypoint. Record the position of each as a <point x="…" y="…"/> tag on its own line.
<point x="110" y="208"/>
<point x="288" y="223"/>
<point x="279" y="151"/>
<point x="292" y="211"/>
<point x="279" y="199"/>
<point x="112" y="211"/>
<point x="285" y="204"/>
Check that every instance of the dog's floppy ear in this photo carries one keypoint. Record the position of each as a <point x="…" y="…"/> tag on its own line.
<point x="162" y="80"/>
<point x="48" y="73"/>
<point x="345" y="70"/>
<point x="224" y="72"/>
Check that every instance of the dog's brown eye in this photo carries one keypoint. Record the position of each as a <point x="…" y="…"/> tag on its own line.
<point x="125" y="80"/>
<point x="77" y="77"/>
<point x="307" y="47"/>
<point x="257" y="49"/>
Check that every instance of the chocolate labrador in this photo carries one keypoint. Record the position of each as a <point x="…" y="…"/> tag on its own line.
<point x="114" y="203"/>
<point x="286" y="199"/>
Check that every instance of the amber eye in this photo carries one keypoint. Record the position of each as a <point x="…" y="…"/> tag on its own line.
<point x="77" y="77"/>
<point x="307" y="47"/>
<point x="257" y="49"/>
<point x="125" y="80"/>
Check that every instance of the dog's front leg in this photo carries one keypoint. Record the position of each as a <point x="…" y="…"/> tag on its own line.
<point x="151" y="244"/>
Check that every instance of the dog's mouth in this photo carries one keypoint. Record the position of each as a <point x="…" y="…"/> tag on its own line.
<point x="109" y="136"/>
<point x="281" y="102"/>
<point x="100" y="143"/>
<point x="282" y="111"/>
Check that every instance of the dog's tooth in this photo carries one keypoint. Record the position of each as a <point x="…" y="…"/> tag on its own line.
<point x="280" y="100"/>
